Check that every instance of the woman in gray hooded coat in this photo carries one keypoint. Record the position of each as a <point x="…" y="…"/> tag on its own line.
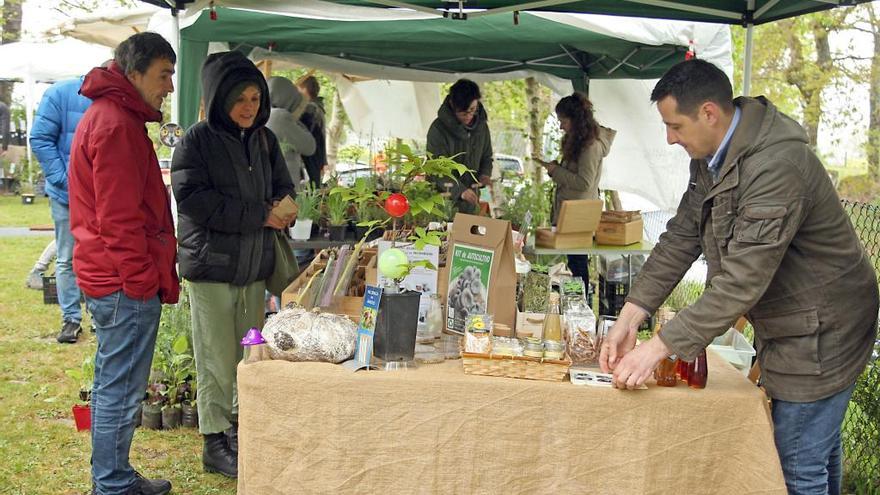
<point x="288" y="105"/>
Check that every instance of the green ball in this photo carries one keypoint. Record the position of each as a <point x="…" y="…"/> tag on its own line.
<point x="392" y="263"/>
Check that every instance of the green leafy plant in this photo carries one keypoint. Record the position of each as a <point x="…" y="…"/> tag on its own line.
<point x="407" y="171"/>
<point x="177" y="368"/>
<point x="337" y="210"/>
<point x="84" y="374"/>
<point x="308" y="200"/>
<point x="524" y="196"/>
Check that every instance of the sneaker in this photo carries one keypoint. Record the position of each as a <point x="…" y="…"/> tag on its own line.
<point x="69" y="333"/>
<point x="34" y="280"/>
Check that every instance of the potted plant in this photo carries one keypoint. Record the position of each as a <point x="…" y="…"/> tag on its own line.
<point x="308" y="202"/>
<point x="337" y="214"/>
<point x="189" y="408"/>
<point x="176" y="369"/>
<point x="151" y="412"/>
<point x="85" y="377"/>
<point x="397" y="319"/>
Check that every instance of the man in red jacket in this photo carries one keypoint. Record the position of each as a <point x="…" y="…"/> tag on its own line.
<point x="125" y="250"/>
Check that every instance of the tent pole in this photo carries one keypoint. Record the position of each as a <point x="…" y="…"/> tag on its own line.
<point x="175" y="45"/>
<point x="747" y="60"/>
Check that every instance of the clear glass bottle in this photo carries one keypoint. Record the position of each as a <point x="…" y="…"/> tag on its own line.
<point x="698" y="371"/>
<point x="254" y="346"/>
<point x="434" y="318"/>
<point x="552" y="320"/>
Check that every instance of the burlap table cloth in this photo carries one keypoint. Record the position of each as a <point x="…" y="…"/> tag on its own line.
<point x="316" y="428"/>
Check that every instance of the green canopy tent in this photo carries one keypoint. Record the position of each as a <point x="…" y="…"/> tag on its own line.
<point x="741" y="12"/>
<point x="196" y="36"/>
<point x="488" y="44"/>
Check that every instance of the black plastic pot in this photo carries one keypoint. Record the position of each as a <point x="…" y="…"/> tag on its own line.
<point x="360" y="232"/>
<point x="396" y="323"/>
<point x="151" y="417"/>
<point x="139" y="415"/>
<point x="171" y="417"/>
<point x="337" y="232"/>
<point x="376" y="234"/>
<point x="189" y="416"/>
<point x="27" y="199"/>
<point x="85" y="395"/>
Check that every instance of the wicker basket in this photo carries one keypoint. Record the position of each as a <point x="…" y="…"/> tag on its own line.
<point x="514" y="366"/>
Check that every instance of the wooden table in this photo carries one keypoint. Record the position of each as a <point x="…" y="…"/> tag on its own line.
<point x="317" y="428"/>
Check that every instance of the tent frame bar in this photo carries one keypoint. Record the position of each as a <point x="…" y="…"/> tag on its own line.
<point x="689" y="8"/>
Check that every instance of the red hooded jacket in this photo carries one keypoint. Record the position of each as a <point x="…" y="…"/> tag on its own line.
<point x="120" y="214"/>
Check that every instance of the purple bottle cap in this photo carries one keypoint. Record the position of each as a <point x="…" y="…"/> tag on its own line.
<point x="253" y="337"/>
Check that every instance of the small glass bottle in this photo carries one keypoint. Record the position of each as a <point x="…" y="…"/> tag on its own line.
<point x="665" y="371"/>
<point x="254" y="346"/>
<point x="434" y="318"/>
<point x="552" y="321"/>
<point x="682" y="369"/>
<point x="698" y="371"/>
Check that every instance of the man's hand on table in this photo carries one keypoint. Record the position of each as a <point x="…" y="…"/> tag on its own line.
<point x="636" y="367"/>
<point x="631" y="367"/>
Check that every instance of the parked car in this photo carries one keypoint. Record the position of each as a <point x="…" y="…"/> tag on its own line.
<point x="505" y="166"/>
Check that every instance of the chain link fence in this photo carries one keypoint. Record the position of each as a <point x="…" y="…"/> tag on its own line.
<point x="861" y="426"/>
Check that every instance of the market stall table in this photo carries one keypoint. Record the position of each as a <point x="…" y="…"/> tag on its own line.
<point x="317" y="428"/>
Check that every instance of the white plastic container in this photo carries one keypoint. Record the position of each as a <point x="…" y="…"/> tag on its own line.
<point x="735" y="349"/>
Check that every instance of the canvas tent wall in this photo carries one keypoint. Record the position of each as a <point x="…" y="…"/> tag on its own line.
<point x="32" y="63"/>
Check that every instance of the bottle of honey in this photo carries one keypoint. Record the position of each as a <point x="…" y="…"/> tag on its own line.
<point x="665" y="371"/>
<point x="698" y="372"/>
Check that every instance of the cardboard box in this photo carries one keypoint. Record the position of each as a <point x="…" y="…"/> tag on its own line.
<point x="579" y="215"/>
<point x="442" y="277"/>
<point x="344" y="305"/>
<point x="529" y="324"/>
<point x="546" y="238"/>
<point x="620" y="234"/>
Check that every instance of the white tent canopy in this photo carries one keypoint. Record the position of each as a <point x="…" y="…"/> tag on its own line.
<point x="32" y="63"/>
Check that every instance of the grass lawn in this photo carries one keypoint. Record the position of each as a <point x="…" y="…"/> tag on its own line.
<point x="42" y="452"/>
<point x="15" y="214"/>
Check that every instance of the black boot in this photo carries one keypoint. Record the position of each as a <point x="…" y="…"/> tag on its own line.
<point x="145" y="486"/>
<point x="232" y="437"/>
<point x="217" y="457"/>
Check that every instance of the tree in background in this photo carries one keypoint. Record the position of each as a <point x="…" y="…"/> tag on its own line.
<point x="10" y="26"/>
<point x="866" y="19"/>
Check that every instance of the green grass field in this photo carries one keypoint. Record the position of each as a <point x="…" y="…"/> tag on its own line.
<point x="42" y="452"/>
<point x="15" y="214"/>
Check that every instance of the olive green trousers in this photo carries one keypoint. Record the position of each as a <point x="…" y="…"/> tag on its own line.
<point x="221" y="316"/>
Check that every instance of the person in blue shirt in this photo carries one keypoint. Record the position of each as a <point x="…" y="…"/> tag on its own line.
<point x="51" y="136"/>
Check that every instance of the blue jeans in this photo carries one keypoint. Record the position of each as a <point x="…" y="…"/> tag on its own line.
<point x="68" y="291"/>
<point x="126" y="330"/>
<point x="808" y="441"/>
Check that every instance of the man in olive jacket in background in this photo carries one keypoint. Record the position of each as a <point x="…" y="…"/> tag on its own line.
<point x="780" y="249"/>
<point x="461" y="130"/>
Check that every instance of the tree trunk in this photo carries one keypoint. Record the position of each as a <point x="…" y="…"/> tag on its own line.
<point x="11" y="32"/>
<point x="334" y="131"/>
<point x="536" y="128"/>
<point x="813" y="110"/>
<point x="873" y="146"/>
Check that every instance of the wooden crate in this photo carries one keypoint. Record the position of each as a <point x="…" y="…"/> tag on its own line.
<point x="350" y="304"/>
<point x="525" y="367"/>
<point x="620" y="234"/>
<point x="546" y="238"/>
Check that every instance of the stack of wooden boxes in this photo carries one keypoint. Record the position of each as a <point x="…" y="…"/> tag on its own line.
<point x="620" y="228"/>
